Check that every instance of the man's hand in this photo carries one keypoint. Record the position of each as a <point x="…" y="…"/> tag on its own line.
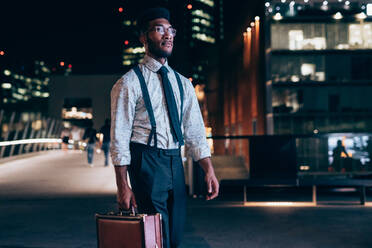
<point x="125" y="196"/>
<point x="212" y="186"/>
<point x="210" y="178"/>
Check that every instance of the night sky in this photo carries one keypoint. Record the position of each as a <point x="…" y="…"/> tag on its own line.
<point x="85" y="34"/>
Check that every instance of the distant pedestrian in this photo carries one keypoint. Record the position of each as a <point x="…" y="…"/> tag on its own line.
<point x="337" y="156"/>
<point x="105" y="130"/>
<point x="76" y="137"/>
<point x="65" y="136"/>
<point x="90" y="138"/>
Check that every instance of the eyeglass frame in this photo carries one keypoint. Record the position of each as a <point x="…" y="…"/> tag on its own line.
<point x="163" y="32"/>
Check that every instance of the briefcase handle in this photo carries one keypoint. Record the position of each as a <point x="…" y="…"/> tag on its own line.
<point x="128" y="212"/>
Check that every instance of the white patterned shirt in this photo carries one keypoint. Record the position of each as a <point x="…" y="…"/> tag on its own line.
<point x="130" y="121"/>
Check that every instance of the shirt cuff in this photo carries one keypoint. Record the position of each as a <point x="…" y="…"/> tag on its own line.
<point x="120" y="160"/>
<point x="199" y="153"/>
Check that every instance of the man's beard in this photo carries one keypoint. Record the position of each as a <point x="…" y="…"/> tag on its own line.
<point x="153" y="49"/>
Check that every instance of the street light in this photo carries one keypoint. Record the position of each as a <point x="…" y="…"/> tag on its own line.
<point x="337" y="16"/>
<point x="2" y="53"/>
<point x="361" y="16"/>
<point x="277" y="17"/>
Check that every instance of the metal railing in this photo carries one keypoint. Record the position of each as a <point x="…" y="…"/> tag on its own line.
<point x="23" y="133"/>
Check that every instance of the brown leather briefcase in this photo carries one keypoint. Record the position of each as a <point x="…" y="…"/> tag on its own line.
<point x="129" y="231"/>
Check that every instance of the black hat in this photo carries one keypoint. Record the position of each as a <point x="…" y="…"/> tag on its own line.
<point x="151" y="14"/>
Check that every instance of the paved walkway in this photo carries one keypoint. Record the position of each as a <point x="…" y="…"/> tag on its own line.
<point x="49" y="201"/>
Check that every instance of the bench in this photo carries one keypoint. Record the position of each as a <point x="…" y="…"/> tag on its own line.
<point x="362" y="184"/>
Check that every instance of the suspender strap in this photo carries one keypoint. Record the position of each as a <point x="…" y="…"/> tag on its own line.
<point x="146" y="98"/>
<point x="181" y="93"/>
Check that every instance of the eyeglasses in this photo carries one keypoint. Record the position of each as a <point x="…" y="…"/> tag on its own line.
<point x="161" y="30"/>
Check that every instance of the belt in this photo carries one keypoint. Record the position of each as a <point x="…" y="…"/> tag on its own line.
<point x="166" y="152"/>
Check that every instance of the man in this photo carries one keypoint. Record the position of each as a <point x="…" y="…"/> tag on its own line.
<point x="105" y="130"/>
<point x="154" y="112"/>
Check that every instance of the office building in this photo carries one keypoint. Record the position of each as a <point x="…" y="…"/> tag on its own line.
<point x="318" y="60"/>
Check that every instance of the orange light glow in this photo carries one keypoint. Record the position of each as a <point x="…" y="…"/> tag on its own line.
<point x="189" y="6"/>
<point x="126" y="42"/>
<point x="62" y="63"/>
<point x="279" y="204"/>
<point x="121" y="9"/>
<point x="2" y="53"/>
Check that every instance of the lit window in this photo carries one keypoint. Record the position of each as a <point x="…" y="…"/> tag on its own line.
<point x="204" y="37"/>
<point x="135" y="50"/>
<point x="205" y="22"/>
<point x="45" y="69"/>
<point x="127" y="23"/>
<point x="307" y="69"/>
<point x="297" y="41"/>
<point x="22" y="91"/>
<point x="195" y="28"/>
<point x="17" y="96"/>
<point x="36" y="93"/>
<point x="360" y="36"/>
<point x="7" y="73"/>
<point x="202" y="14"/>
<point x="6" y="85"/>
<point x="296" y="38"/>
<point x="210" y="3"/>
<point x="195" y="20"/>
<point x="74" y="113"/>
<point x="369" y="9"/>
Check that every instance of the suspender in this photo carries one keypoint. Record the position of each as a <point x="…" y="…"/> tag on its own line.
<point x="146" y="99"/>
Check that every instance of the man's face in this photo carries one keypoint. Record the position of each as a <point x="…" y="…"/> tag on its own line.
<point x="160" y="45"/>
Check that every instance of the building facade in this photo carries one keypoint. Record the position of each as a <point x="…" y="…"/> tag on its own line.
<point x="318" y="60"/>
<point x="24" y="86"/>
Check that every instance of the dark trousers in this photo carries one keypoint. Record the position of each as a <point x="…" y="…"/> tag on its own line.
<point x="158" y="183"/>
<point x="106" y="149"/>
<point x="90" y="152"/>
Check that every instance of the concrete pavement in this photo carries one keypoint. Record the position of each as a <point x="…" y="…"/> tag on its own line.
<point x="49" y="201"/>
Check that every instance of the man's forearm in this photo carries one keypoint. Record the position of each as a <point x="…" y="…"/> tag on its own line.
<point x="206" y="164"/>
<point x="121" y="176"/>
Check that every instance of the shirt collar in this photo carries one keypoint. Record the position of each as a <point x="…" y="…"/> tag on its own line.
<point x="153" y="64"/>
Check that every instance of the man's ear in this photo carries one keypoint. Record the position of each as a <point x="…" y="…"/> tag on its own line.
<point x="143" y="39"/>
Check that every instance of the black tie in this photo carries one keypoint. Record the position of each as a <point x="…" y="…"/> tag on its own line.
<point x="172" y="107"/>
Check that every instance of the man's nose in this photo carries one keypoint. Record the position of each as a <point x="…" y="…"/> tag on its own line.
<point x="168" y="35"/>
